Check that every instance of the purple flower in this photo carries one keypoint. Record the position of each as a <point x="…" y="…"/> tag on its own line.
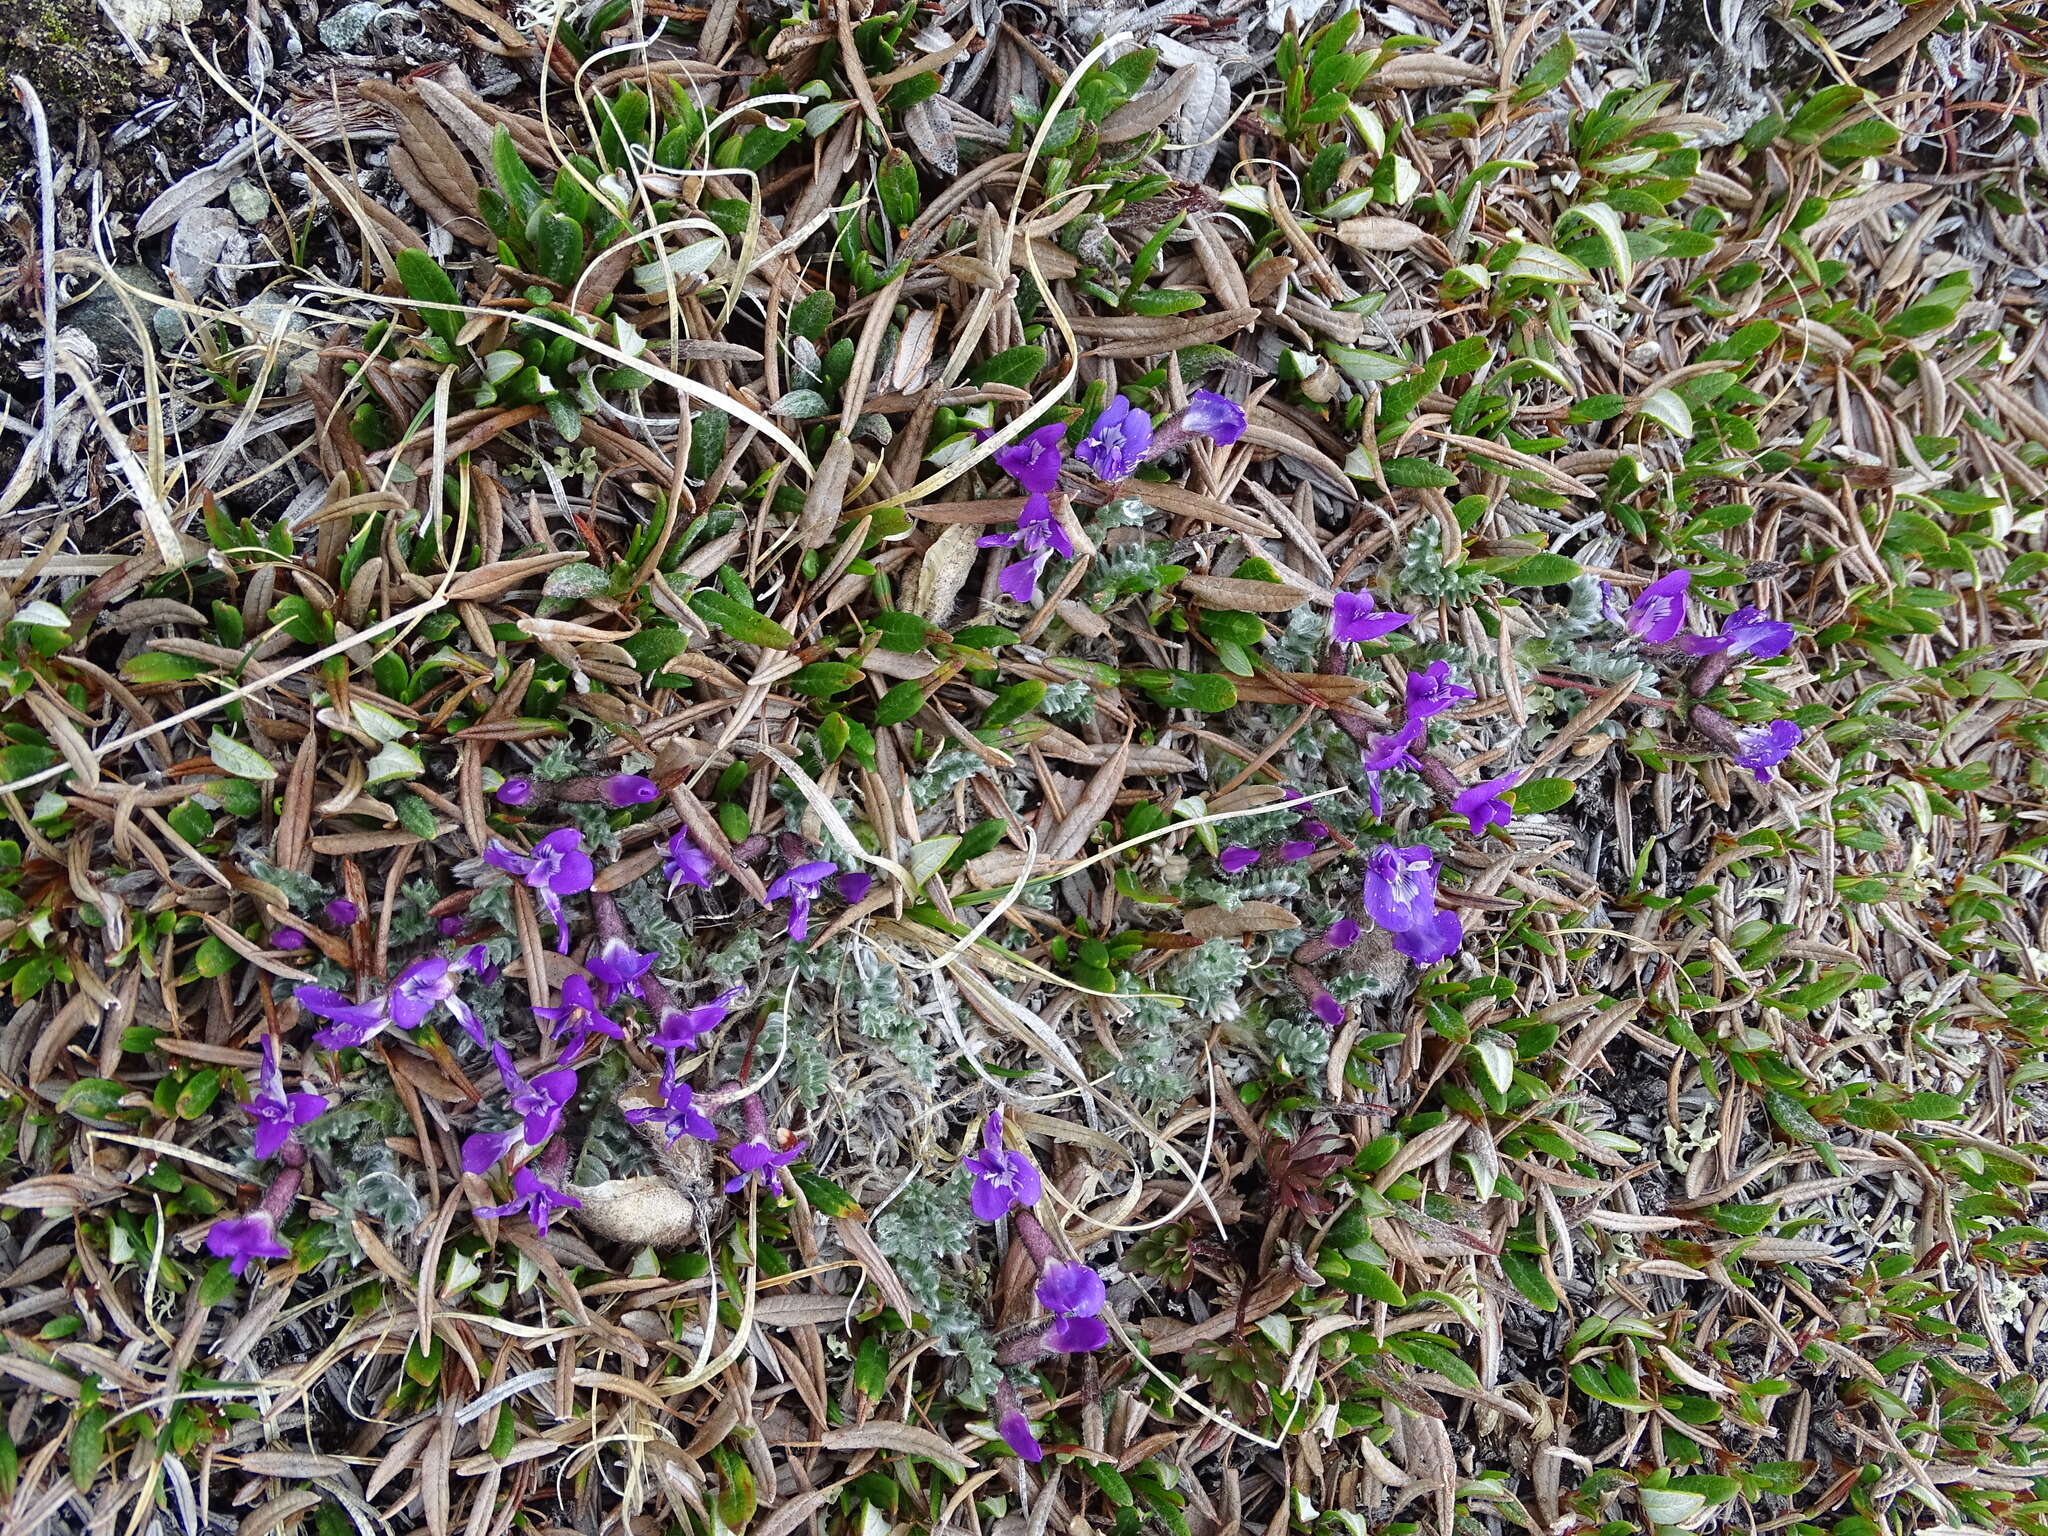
<point x="1034" y="460"/>
<point x="341" y="912"/>
<point x="755" y="1157"/>
<point x="1482" y="805"/>
<point x="242" y="1238"/>
<point x="449" y="926"/>
<point x="515" y="792"/>
<point x="680" y="1029"/>
<point x="853" y="888"/>
<point x="677" y="1113"/>
<point x="1327" y="1009"/>
<point x="1016" y="1432"/>
<point x="1074" y="1294"/>
<point x="287" y="938"/>
<point x="1431" y="691"/>
<point x="622" y="790"/>
<point x="800" y="885"/>
<point x="1658" y="613"/>
<point x="540" y="1100"/>
<point x="1343" y="933"/>
<point x="352" y="1024"/>
<point x="1235" y="860"/>
<point x="557" y="867"/>
<point x="1002" y="1179"/>
<point x="1037" y="537"/>
<point x="618" y="967"/>
<point x="482" y="1149"/>
<point x="1211" y="415"/>
<point x="277" y="1114"/>
<point x="687" y="864"/>
<point x="1429" y="941"/>
<point x="1745" y="632"/>
<point x="1353" y="621"/>
<point x="1400" y="886"/>
<point x="1760" y="748"/>
<point x="1387" y="754"/>
<point x="578" y="1018"/>
<point x="1116" y="444"/>
<point x="535" y="1196"/>
<point x="1298" y="848"/>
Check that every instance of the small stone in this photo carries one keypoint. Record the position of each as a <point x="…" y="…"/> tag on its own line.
<point x="350" y="27"/>
<point x="250" y="202"/>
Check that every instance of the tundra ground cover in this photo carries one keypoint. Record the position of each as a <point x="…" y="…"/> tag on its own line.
<point x="862" y="771"/>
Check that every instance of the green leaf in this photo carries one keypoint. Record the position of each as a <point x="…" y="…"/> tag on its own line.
<point x="1413" y="474"/>
<point x="1543" y="570"/>
<point x="897" y="189"/>
<point x="1793" y="1117"/>
<point x="822" y="679"/>
<point x="214" y="958"/>
<point x="1540" y="795"/>
<point x="1111" y="1482"/>
<point x="1526" y="1276"/>
<point x="558" y="247"/>
<point x="811" y="315"/>
<point x="899" y="704"/>
<point x="426" y="282"/>
<point x="739" y="621"/>
<point x="1016" y="366"/>
<point x="1862" y="141"/>
<point x="232" y="756"/>
<point x="92" y="1098"/>
<point x="871" y="1368"/>
<point x="825" y="1197"/>
<point x="1014" y="703"/>
<point x="88" y="1447"/>
<point x="517" y="183"/>
<point x="901" y="632"/>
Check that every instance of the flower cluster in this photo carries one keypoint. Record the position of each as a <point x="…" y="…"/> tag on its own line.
<point x="1121" y="438"/>
<point x="557" y="867"/>
<point x="1658" y="617"/>
<point x="426" y="984"/>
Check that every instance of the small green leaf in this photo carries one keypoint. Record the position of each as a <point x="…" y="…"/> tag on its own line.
<point x="899" y="704"/>
<point x="739" y="621"/>
<point x="1540" y="795"/>
<point x="214" y="958"/>
<point x="232" y="756"/>
<point x="427" y="283"/>
<point x="1014" y="703"/>
<point x="822" y="679"/>
<point x="1016" y="366"/>
<point x="1543" y="570"/>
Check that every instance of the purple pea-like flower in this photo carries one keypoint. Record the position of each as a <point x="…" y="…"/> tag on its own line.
<point x="1075" y="1295"/>
<point x="1343" y="933"/>
<point x="1432" y="691"/>
<point x="625" y="790"/>
<point x="1388" y="753"/>
<point x="1003" y="1180"/>
<point x="1034" y="461"/>
<point x="287" y="938"/>
<point x="278" y="1114"/>
<point x="1482" y="805"/>
<point x="617" y="968"/>
<point x="687" y="864"/>
<point x="679" y="1029"/>
<point x="799" y="885"/>
<point x="1760" y="748"/>
<point x="1037" y="537"/>
<point x="1213" y="416"/>
<point x="578" y="1018"/>
<point x="1118" y="442"/>
<point x="241" y="1239"/>
<point x="1236" y="859"/>
<point x="677" y="1113"/>
<point x="1015" y="1429"/>
<point x="482" y="1149"/>
<point x="557" y="867"/>
<point x="448" y="927"/>
<point x="341" y="912"/>
<point x="1327" y="1009"/>
<point x="1353" y="620"/>
<point x="1434" y="938"/>
<point x="1745" y="632"/>
<point x="540" y="1101"/>
<point x="853" y="887"/>
<point x="1658" y="613"/>
<point x="515" y="792"/>
<point x="536" y="1197"/>
<point x="755" y="1158"/>
<point x="1400" y="886"/>
<point x="351" y="1024"/>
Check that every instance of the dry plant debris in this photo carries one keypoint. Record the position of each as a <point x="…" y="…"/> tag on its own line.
<point x="781" y="768"/>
